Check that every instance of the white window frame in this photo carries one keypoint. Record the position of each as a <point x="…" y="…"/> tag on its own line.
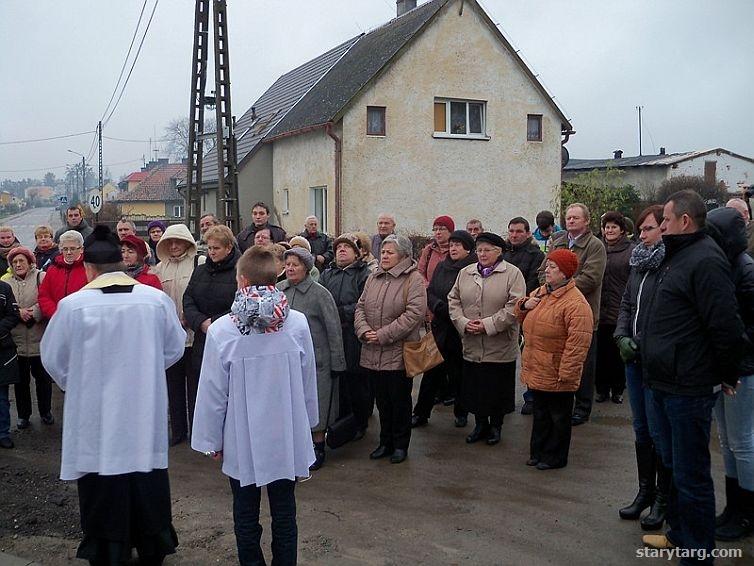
<point x="320" y="190"/>
<point x="469" y="136"/>
<point x="180" y="211"/>
<point x="286" y="201"/>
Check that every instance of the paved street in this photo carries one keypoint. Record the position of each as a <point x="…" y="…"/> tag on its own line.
<point x="24" y="223"/>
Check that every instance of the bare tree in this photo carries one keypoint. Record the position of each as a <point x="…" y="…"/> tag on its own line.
<point x="177" y="137"/>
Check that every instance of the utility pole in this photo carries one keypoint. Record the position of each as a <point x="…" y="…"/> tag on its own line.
<point x="639" y="109"/>
<point x="101" y="195"/>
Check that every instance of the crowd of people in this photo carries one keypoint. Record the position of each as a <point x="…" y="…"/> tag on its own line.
<point x="664" y="311"/>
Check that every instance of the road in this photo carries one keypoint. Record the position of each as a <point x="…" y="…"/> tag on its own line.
<point x="23" y="224"/>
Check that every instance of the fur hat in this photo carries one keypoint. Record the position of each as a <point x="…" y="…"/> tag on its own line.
<point x="349" y="239"/>
<point x="566" y="260"/>
<point x="102" y="246"/>
<point x="446" y="221"/>
<point x="464" y="238"/>
<point x="300" y="242"/>
<point x="136" y="243"/>
<point x="21" y="250"/>
<point x="306" y="258"/>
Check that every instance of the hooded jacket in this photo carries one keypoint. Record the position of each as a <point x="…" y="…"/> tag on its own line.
<point x="62" y="280"/>
<point x="615" y="279"/>
<point x="728" y="228"/>
<point x="175" y="273"/>
<point x="527" y="257"/>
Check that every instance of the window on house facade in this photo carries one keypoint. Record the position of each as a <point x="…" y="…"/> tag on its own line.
<point x="375" y="120"/>
<point x="178" y="211"/>
<point x="534" y="127"/>
<point x="286" y="201"/>
<point x="460" y="118"/>
<point x="318" y="205"/>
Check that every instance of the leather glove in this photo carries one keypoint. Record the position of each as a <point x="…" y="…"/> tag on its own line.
<point x="627" y="347"/>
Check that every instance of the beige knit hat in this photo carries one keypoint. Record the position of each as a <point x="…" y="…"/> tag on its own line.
<point x="300" y="242"/>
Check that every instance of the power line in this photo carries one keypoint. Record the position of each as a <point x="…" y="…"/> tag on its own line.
<point x="64" y="166"/>
<point x="133" y="64"/>
<point x="136" y="141"/>
<point x="46" y="139"/>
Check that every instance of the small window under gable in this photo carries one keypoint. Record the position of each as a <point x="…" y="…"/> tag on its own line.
<point x="534" y="127"/>
<point x="375" y="120"/>
<point x="460" y="119"/>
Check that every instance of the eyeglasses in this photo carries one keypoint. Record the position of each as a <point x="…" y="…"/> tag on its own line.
<point x="70" y="250"/>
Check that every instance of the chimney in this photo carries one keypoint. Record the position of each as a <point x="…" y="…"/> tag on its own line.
<point x="404" y="6"/>
<point x="617" y="154"/>
<point x="662" y="151"/>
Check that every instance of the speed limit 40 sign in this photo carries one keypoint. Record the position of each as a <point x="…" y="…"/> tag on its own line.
<point x="95" y="202"/>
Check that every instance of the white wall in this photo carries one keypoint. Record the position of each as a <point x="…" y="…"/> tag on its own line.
<point x="733" y="171"/>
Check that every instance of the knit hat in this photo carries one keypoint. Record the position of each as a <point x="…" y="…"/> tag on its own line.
<point x="306" y="258"/>
<point x="446" y="221"/>
<point x="102" y="246"/>
<point x="136" y="243"/>
<point x="349" y="239"/>
<point x="492" y="239"/>
<point x="157" y="224"/>
<point x="300" y="242"/>
<point x="566" y="260"/>
<point x="21" y="250"/>
<point x="464" y="238"/>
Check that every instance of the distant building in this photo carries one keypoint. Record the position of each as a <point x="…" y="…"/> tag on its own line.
<point x="151" y="192"/>
<point x="647" y="172"/>
<point x="110" y="192"/>
<point x="39" y="193"/>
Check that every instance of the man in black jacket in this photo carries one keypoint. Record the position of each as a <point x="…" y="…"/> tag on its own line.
<point x="321" y="243"/>
<point x="690" y="346"/>
<point x="260" y="218"/>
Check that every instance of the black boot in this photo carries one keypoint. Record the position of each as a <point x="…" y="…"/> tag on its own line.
<point x="645" y="464"/>
<point x="654" y="520"/>
<point x="319" y="455"/>
<point x="481" y="431"/>
<point x="731" y="502"/>
<point x="741" y="523"/>
<point x="494" y="437"/>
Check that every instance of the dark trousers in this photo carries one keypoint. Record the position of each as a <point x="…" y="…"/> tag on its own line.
<point x="611" y="372"/>
<point x="393" y="392"/>
<point x="182" y="386"/>
<point x="443" y="380"/>
<point x="28" y="367"/>
<point x="585" y="394"/>
<point x="246" y="501"/>
<point x="356" y="397"/>
<point x="682" y="424"/>
<point x="551" y="426"/>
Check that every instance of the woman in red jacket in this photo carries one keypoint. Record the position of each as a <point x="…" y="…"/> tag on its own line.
<point x="134" y="250"/>
<point x="65" y="275"/>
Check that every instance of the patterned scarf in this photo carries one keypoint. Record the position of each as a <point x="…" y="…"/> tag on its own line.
<point x="487" y="271"/>
<point x="135" y="270"/>
<point x="259" y="309"/>
<point x="645" y="259"/>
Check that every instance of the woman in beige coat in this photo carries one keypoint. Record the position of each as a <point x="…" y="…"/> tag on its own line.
<point x="177" y="248"/>
<point x="390" y="311"/>
<point x="481" y="307"/>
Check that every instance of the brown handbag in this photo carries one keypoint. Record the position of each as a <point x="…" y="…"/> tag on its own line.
<point x="422" y="355"/>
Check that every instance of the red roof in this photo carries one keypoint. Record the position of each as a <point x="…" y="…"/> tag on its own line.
<point x="137" y="176"/>
<point x="158" y="184"/>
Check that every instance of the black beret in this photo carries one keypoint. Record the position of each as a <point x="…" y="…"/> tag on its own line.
<point x="465" y="239"/>
<point x="491" y="238"/>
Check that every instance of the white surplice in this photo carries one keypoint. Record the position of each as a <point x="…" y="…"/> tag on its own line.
<point x="109" y="352"/>
<point x="257" y="401"/>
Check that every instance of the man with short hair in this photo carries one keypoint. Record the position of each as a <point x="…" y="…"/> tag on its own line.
<point x="320" y="243"/>
<point x="592" y="260"/>
<point x="474" y="227"/>
<point x="546" y="227"/>
<point x="74" y="217"/>
<point x="115" y="443"/>
<point x="125" y="228"/>
<point x="206" y="222"/>
<point x="690" y="346"/>
<point x="385" y="227"/>
<point x="260" y="218"/>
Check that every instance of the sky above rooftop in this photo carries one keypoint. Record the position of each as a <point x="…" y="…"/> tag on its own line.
<point x="687" y="62"/>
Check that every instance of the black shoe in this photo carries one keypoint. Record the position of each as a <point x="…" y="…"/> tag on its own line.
<point x="417" y="421"/>
<point x="22" y="424"/>
<point x="319" y="460"/>
<point x="546" y="466"/>
<point x="6" y="443"/>
<point x="617" y="398"/>
<point x="177" y="440"/>
<point x="654" y="520"/>
<point x="481" y="431"/>
<point x="532" y="462"/>
<point x="577" y="420"/>
<point x="360" y="434"/>
<point x="398" y="456"/>
<point x="527" y="408"/>
<point x="731" y="502"/>
<point x="741" y="523"/>
<point x="461" y="421"/>
<point x="646" y="462"/>
<point x="494" y="437"/>
<point x="601" y="397"/>
<point x="449" y="401"/>
<point x="48" y="419"/>
<point x="380" y="452"/>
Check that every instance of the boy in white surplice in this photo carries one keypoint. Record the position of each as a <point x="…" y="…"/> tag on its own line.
<point x="257" y="403"/>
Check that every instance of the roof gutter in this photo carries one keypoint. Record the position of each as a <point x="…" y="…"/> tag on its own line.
<point x="298" y="132"/>
<point x="338" y="174"/>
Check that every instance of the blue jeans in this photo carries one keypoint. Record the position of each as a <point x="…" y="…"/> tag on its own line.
<point x="735" y="425"/>
<point x="4" y="412"/>
<point x="639" y="397"/>
<point x="683" y="425"/>
<point x="248" y="531"/>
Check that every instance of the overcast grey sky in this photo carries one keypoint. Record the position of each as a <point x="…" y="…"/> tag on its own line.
<point x="690" y="64"/>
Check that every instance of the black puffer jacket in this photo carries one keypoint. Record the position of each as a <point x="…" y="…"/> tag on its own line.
<point x="346" y="286"/>
<point x="9" y="318"/>
<point x="728" y="228"/>
<point x="210" y="291"/>
<point x="615" y="279"/>
<point x="691" y="337"/>
<point x="527" y="257"/>
<point x="443" y="279"/>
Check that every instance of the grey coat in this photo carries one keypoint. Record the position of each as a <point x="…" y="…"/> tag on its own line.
<point x="317" y="304"/>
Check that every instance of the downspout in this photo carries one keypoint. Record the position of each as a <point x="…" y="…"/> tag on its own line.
<point x="338" y="173"/>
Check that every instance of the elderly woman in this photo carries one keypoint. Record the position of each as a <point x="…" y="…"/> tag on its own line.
<point x="66" y="275"/>
<point x="365" y="248"/>
<point x="390" y="311"/>
<point x="309" y="297"/>
<point x="134" y="251"/>
<point x="155" y="230"/>
<point x="345" y="279"/>
<point x="303" y="243"/>
<point x="611" y="374"/>
<point x="179" y="257"/>
<point x="481" y="305"/>
<point x="46" y="249"/>
<point x="24" y="280"/>
<point x="557" y="324"/>
<point x="654" y="478"/>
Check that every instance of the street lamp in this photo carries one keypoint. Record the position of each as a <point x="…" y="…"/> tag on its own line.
<point x="83" y="173"/>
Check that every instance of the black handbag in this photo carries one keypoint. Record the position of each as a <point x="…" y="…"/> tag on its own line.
<point x="342" y="430"/>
